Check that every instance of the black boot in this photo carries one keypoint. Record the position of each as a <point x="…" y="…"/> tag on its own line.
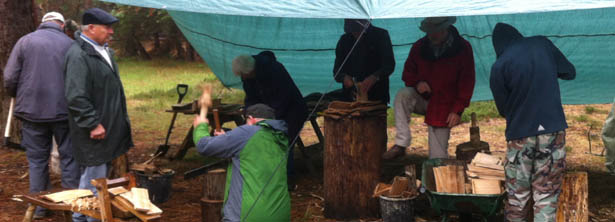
<point x="394" y="152"/>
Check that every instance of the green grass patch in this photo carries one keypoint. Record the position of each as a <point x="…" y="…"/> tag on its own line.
<point x="582" y="118"/>
<point x="483" y="109"/>
<point x="568" y="148"/>
<point x="588" y="120"/>
<point x="150" y="88"/>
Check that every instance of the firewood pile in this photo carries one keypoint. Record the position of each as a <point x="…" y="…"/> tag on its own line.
<point x="484" y="175"/>
<point x="402" y="186"/>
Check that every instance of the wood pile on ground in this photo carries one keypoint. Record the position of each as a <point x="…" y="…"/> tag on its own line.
<point x="484" y="175"/>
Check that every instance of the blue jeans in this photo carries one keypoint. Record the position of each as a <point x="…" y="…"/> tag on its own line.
<point x="90" y="173"/>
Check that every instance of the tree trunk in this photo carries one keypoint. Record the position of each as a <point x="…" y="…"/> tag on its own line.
<point x="13" y="25"/>
<point x="355" y="138"/>
<point x="191" y="52"/>
<point x="140" y="49"/>
<point x="156" y="43"/>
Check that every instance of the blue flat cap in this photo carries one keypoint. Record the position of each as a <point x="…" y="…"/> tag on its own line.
<point x="97" y="16"/>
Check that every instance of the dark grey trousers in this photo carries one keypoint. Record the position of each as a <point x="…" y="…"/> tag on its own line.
<point x="37" y="141"/>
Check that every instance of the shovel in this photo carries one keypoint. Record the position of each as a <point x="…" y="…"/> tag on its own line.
<point x="182" y="89"/>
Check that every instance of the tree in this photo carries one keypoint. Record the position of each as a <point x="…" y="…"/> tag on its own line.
<point x="13" y="25"/>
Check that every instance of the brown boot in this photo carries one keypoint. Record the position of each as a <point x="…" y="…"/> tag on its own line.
<point x="394" y="152"/>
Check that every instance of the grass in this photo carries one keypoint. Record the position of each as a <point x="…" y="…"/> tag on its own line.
<point x="150" y="88"/>
<point x="483" y="110"/>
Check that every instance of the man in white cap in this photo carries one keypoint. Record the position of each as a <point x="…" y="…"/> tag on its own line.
<point x="439" y="79"/>
<point x="34" y="75"/>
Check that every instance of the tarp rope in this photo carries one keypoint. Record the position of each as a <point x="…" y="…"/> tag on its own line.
<point x="337" y="72"/>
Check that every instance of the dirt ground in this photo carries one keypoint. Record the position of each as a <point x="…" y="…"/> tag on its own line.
<point x="307" y="203"/>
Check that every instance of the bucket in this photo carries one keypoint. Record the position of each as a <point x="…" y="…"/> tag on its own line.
<point x="158" y="185"/>
<point x="397" y="209"/>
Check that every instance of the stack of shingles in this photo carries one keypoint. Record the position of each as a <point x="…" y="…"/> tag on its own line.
<point x="487" y="174"/>
<point x="450" y="179"/>
<point x="139" y="198"/>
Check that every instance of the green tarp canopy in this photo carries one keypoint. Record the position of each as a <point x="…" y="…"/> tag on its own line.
<point x="304" y="33"/>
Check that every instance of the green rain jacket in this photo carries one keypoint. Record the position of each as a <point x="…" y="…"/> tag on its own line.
<point x="255" y="152"/>
<point x="95" y="95"/>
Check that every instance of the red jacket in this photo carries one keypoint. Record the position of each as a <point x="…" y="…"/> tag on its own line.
<point x="450" y="77"/>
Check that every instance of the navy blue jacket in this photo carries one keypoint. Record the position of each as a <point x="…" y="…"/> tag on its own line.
<point x="524" y="82"/>
<point x="274" y="87"/>
<point x="34" y="74"/>
<point x="373" y="55"/>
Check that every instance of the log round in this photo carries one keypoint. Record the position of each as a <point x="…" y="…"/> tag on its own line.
<point x="213" y="195"/>
<point x="355" y="138"/>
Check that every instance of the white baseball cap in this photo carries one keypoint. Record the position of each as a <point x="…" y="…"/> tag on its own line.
<point x="53" y="16"/>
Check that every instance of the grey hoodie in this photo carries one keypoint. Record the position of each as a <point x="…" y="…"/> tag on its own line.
<point x="34" y="74"/>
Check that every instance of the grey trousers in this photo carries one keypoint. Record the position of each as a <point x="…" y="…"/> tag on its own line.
<point x="408" y="101"/>
<point x="37" y="141"/>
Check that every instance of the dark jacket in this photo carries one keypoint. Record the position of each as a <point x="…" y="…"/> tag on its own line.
<point x="373" y="55"/>
<point x="274" y="87"/>
<point x="34" y="74"/>
<point x="524" y="82"/>
<point x="451" y="77"/>
<point x="256" y="152"/>
<point x="95" y="96"/>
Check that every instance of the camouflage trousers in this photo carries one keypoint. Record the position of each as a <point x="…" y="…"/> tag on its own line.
<point x="535" y="166"/>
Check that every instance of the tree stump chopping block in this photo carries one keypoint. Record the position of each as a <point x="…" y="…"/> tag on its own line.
<point x="573" y="200"/>
<point x="213" y="195"/>
<point x="355" y="138"/>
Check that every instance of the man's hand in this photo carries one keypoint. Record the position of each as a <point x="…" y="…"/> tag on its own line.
<point x="368" y="83"/>
<point x="98" y="133"/>
<point x="453" y="119"/>
<point x="198" y="120"/>
<point x="218" y="133"/>
<point x="423" y="87"/>
<point x="348" y="81"/>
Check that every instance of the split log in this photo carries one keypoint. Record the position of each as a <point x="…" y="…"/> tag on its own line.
<point x="353" y="146"/>
<point x="213" y="195"/>
<point x="573" y="200"/>
<point x="119" y="167"/>
<point x="400" y="184"/>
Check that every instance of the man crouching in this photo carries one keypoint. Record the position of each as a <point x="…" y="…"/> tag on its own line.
<point x="258" y="154"/>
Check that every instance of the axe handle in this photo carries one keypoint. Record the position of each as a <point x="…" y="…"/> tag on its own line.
<point x="7" y="128"/>
<point x="217" y="119"/>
